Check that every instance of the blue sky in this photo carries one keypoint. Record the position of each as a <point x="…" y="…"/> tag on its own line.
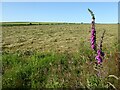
<point x="105" y="12"/>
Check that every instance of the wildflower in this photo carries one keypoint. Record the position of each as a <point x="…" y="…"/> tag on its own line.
<point x="100" y="53"/>
<point x="93" y="46"/>
<point x="93" y="38"/>
<point x="99" y="59"/>
<point x="99" y="56"/>
<point x="93" y="32"/>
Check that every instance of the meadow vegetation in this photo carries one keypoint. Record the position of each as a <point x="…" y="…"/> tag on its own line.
<point x="58" y="56"/>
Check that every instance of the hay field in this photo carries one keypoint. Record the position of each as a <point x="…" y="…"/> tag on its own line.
<point x="58" y="56"/>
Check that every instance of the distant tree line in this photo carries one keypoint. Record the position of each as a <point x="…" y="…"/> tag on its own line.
<point x="37" y="23"/>
<point x="27" y="24"/>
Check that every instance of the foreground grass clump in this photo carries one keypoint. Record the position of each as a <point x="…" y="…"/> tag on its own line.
<point x="56" y="70"/>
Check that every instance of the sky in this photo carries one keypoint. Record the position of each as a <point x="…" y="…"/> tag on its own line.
<point x="60" y="0"/>
<point x="119" y="12"/>
<point x="72" y="12"/>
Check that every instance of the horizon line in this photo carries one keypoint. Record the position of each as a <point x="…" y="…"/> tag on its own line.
<point x="60" y="22"/>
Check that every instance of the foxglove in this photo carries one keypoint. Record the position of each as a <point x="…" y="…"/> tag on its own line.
<point x="100" y="54"/>
<point x="93" y="32"/>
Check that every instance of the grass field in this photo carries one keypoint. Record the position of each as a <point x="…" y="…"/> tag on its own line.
<point x="58" y="56"/>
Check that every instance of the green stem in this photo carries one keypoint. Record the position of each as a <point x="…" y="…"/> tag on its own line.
<point x="93" y="17"/>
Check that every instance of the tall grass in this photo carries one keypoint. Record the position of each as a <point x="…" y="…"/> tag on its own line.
<point x="56" y="70"/>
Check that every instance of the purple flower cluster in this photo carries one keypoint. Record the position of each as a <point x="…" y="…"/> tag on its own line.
<point x="93" y="36"/>
<point x="99" y="56"/>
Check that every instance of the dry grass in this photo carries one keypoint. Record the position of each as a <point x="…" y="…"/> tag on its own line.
<point x="54" y="37"/>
